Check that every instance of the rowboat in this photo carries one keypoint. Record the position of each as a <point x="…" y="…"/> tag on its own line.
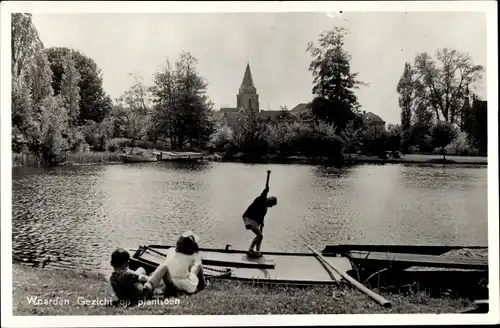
<point x="127" y="158"/>
<point x="179" y="156"/>
<point x="395" y="264"/>
<point x="273" y="267"/>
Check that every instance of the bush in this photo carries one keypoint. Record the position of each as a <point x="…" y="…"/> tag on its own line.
<point x="222" y="139"/>
<point x="76" y="140"/>
<point x="373" y="141"/>
<point x="113" y="145"/>
<point x="120" y="143"/>
<point x="414" y="149"/>
<point x="460" y="146"/>
<point x="438" y="151"/>
<point x="25" y="159"/>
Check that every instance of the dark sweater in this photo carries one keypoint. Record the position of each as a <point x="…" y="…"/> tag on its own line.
<point x="124" y="285"/>
<point x="258" y="209"/>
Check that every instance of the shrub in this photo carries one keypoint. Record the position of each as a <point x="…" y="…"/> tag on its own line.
<point x="437" y="151"/>
<point x="460" y="146"/>
<point x="222" y="139"/>
<point x="121" y="143"/>
<point x="113" y="145"/>
<point x="414" y="149"/>
<point x="76" y="140"/>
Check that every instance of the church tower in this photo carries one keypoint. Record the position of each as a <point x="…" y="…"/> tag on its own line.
<point x="247" y="98"/>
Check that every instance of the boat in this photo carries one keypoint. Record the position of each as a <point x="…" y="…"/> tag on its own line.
<point x="137" y="158"/>
<point x="179" y="156"/>
<point x="371" y="265"/>
<point x="273" y="267"/>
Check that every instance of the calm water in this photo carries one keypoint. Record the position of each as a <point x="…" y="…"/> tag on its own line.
<point x="77" y="216"/>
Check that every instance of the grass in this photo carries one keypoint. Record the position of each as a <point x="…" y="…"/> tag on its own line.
<point x="93" y="157"/>
<point x="24" y="159"/>
<point x="28" y="159"/>
<point x="222" y="297"/>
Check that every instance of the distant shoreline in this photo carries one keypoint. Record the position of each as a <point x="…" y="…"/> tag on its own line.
<point x="96" y="158"/>
<point x="362" y="159"/>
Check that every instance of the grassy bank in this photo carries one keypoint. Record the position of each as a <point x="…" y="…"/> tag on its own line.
<point x="80" y="158"/>
<point x="222" y="297"/>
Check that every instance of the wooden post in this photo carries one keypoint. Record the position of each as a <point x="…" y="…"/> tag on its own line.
<point x="376" y="297"/>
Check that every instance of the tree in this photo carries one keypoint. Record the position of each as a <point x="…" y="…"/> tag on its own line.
<point x="135" y="104"/>
<point x="165" y="98"/>
<point x="333" y="112"/>
<point x="25" y="42"/>
<point x="393" y="137"/>
<point x="53" y="124"/>
<point x="352" y="136"/>
<point x="442" y="84"/>
<point x="38" y="77"/>
<point x="22" y="115"/>
<point x="223" y="137"/>
<point x="442" y="134"/>
<point x="95" y="105"/>
<point x="195" y="119"/>
<point x="70" y="90"/>
<point x="476" y="124"/>
<point x="252" y="132"/>
<point x="182" y="110"/>
<point x="285" y="116"/>
<point x="406" y="90"/>
<point x="334" y="83"/>
<point x="331" y="68"/>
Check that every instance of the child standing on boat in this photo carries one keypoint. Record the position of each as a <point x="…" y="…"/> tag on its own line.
<point x="131" y="285"/>
<point x="254" y="218"/>
<point x="184" y="264"/>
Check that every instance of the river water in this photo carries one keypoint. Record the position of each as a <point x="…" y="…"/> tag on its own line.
<point x="76" y="216"/>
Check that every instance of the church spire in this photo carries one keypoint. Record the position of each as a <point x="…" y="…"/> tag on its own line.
<point x="247" y="79"/>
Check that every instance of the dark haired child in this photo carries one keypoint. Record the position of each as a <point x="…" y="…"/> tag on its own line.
<point x="184" y="264"/>
<point x="131" y="285"/>
<point x="253" y="219"/>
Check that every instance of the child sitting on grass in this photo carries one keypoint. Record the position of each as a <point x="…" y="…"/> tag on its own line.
<point x="132" y="286"/>
<point x="184" y="264"/>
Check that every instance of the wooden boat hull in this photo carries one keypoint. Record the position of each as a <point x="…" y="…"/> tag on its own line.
<point x="405" y="271"/>
<point x="180" y="156"/>
<point x="408" y="249"/>
<point x="289" y="268"/>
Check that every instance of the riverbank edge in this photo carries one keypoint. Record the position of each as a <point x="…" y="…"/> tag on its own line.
<point x="75" y="292"/>
<point x="304" y="160"/>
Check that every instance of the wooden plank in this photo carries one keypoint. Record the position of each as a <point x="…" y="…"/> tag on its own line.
<point x="420" y="260"/>
<point x="235" y="260"/>
<point x="259" y="260"/>
<point x="229" y="260"/>
<point x="376" y="297"/>
<point x="326" y="267"/>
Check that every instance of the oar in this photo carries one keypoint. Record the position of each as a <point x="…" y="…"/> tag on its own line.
<point x="379" y="299"/>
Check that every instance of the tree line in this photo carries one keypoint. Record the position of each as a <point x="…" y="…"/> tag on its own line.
<point x="59" y="105"/>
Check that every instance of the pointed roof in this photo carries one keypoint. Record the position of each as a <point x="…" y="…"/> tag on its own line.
<point x="247" y="79"/>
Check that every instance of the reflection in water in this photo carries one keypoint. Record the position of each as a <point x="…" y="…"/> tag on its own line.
<point x="77" y="216"/>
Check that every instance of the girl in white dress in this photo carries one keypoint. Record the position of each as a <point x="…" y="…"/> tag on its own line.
<point x="184" y="264"/>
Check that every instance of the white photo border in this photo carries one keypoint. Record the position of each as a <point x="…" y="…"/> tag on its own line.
<point x="54" y="7"/>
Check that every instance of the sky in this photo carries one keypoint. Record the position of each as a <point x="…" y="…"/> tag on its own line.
<point x="273" y="43"/>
